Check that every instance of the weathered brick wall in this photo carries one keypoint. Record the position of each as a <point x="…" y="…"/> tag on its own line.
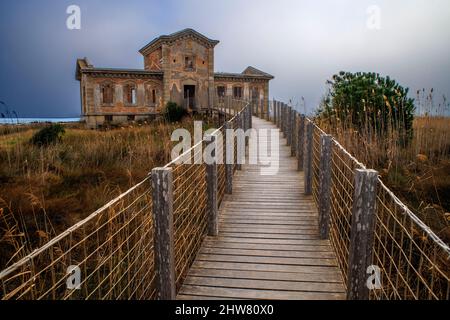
<point x="176" y="75"/>
<point x="93" y="106"/>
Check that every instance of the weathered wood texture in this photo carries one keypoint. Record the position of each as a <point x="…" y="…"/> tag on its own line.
<point x="211" y="186"/>
<point x="300" y="142"/>
<point x="362" y="233"/>
<point x="164" y="240"/>
<point x="307" y="157"/>
<point x="228" y="163"/>
<point x="325" y="185"/>
<point x="268" y="245"/>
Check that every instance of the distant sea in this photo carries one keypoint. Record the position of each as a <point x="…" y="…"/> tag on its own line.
<point x="36" y="120"/>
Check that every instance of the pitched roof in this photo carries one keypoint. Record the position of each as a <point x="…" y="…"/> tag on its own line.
<point x="83" y="66"/>
<point x="249" y="73"/>
<point x="253" y="71"/>
<point x="177" y="35"/>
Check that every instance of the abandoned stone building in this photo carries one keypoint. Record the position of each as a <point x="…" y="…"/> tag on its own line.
<point x="178" y="68"/>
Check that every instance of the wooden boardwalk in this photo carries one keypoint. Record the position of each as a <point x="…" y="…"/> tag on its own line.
<point x="268" y="246"/>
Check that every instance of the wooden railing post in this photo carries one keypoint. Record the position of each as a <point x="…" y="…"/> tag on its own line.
<point x="239" y="126"/>
<point x="163" y="237"/>
<point x="307" y="161"/>
<point x="274" y="106"/>
<point x="293" y="131"/>
<point x="325" y="185"/>
<point x="300" y="142"/>
<point x="229" y="159"/>
<point x="288" y="125"/>
<point x="280" y="120"/>
<point x="362" y="233"/>
<point x="211" y="189"/>
<point x="279" y="114"/>
<point x="250" y="117"/>
<point x="283" y="120"/>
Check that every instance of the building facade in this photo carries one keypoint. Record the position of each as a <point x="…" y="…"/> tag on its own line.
<point x="178" y="68"/>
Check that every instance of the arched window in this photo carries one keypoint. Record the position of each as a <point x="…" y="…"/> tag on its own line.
<point x="130" y="94"/>
<point x="107" y="91"/>
<point x="237" y="92"/>
<point x="151" y="93"/>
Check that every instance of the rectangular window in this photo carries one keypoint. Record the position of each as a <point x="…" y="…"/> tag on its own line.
<point x="108" y="118"/>
<point x="133" y="96"/>
<point x="130" y="94"/>
<point x="131" y="117"/>
<point x="237" y="92"/>
<point x="189" y="63"/>
<point x="221" y="91"/>
<point x="153" y="96"/>
<point x="107" y="94"/>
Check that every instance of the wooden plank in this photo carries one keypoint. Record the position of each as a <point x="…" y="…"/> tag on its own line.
<point x="274" y="241"/>
<point x="268" y="253"/>
<point x="264" y="267"/>
<point x="259" y="246"/>
<point x="269" y="222"/>
<point x="267" y="260"/>
<point x="266" y="275"/>
<point x="266" y="284"/>
<point x="233" y="293"/>
<point x="286" y="231"/>
<point x="268" y="236"/>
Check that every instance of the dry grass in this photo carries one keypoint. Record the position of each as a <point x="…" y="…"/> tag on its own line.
<point x="418" y="173"/>
<point x="43" y="191"/>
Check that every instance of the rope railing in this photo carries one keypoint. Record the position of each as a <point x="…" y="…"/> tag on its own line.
<point x="113" y="253"/>
<point x="384" y="251"/>
<point x="107" y="255"/>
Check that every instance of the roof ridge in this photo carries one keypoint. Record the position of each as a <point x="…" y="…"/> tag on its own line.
<point x="175" y="35"/>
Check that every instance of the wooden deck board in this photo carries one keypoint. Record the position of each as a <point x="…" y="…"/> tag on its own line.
<point x="268" y="246"/>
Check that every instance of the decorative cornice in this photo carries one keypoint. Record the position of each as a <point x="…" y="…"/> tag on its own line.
<point x="123" y="73"/>
<point x="240" y="77"/>
<point x="183" y="34"/>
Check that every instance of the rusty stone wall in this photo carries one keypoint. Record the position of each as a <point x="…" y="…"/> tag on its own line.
<point x="176" y="75"/>
<point x="94" y="108"/>
<point x="253" y="90"/>
<point x="152" y="61"/>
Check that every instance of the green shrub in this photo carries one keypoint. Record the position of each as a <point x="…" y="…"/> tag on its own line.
<point x="49" y="135"/>
<point x="174" y="112"/>
<point x="370" y="103"/>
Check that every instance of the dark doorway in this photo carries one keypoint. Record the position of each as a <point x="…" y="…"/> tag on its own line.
<point x="189" y="96"/>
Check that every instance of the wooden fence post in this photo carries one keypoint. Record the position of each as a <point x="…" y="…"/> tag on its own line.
<point x="281" y="119"/>
<point x="250" y="117"/>
<point x="239" y="126"/>
<point x="362" y="233"/>
<point x="211" y="189"/>
<point x="279" y="115"/>
<point x="307" y="161"/>
<point x="288" y="125"/>
<point x="293" y="131"/>
<point x="325" y="185"/>
<point x="274" y="105"/>
<point x="163" y="237"/>
<point x="300" y="142"/>
<point x="229" y="159"/>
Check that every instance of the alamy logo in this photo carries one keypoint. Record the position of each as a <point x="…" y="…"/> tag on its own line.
<point x="374" y="17"/>
<point x="374" y="280"/>
<point x="73" y="21"/>
<point x="73" y="281"/>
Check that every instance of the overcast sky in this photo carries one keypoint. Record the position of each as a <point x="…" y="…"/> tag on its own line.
<point x="302" y="43"/>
